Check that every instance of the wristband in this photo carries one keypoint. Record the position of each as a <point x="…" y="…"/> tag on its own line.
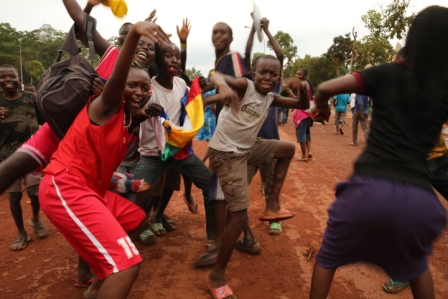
<point x="183" y="46"/>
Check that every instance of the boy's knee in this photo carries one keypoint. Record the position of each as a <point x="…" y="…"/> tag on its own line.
<point x="32" y="191"/>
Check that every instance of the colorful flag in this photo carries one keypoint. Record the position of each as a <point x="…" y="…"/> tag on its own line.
<point x="175" y="140"/>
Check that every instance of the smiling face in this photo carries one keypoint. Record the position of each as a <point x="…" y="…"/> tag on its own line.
<point x="266" y="74"/>
<point x="146" y="51"/>
<point x="9" y="79"/>
<point x="221" y="36"/>
<point x="301" y="75"/>
<point x="137" y="88"/>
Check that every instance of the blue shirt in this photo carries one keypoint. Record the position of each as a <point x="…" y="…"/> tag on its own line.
<point x="342" y="100"/>
<point x="364" y="101"/>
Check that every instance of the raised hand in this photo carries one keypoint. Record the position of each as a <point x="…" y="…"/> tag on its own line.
<point x="265" y="24"/>
<point x="184" y="30"/>
<point x="151" y="16"/>
<point x="153" y="31"/>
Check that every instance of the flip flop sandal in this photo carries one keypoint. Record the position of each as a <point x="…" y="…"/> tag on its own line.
<point x="281" y="215"/>
<point x="192" y="207"/>
<point x="168" y="224"/>
<point x="147" y="237"/>
<point x="39" y="228"/>
<point x="394" y="287"/>
<point x="251" y="247"/>
<point x="275" y="228"/>
<point x="158" y="229"/>
<point x="19" y="243"/>
<point x="208" y="258"/>
<point x="219" y="293"/>
<point x="85" y="284"/>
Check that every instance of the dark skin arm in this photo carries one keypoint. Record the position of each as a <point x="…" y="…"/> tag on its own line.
<point x="275" y="45"/>
<point x="231" y="90"/>
<point x="77" y="15"/>
<point x="327" y="89"/>
<point x="300" y="101"/>
<point x="182" y="33"/>
<point x="110" y="101"/>
<point x="247" y="53"/>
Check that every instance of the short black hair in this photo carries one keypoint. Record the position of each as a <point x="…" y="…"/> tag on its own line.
<point x="256" y="60"/>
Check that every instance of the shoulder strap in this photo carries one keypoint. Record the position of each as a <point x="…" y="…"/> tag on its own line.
<point x="70" y="45"/>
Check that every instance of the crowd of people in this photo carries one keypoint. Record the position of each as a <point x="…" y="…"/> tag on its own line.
<point x="107" y="173"/>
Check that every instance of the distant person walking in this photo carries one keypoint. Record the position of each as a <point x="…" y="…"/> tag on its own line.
<point x="360" y="115"/>
<point x="340" y="106"/>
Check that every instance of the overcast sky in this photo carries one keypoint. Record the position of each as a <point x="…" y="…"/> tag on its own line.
<point x="311" y="23"/>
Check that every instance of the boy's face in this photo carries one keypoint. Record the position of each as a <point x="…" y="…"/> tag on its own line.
<point x="137" y="88"/>
<point x="146" y="51"/>
<point x="221" y="37"/>
<point x="9" y="79"/>
<point x="301" y="75"/>
<point x="124" y="30"/>
<point x="171" y="59"/>
<point x="266" y="75"/>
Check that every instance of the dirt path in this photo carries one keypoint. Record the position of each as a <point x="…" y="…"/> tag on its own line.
<point x="47" y="268"/>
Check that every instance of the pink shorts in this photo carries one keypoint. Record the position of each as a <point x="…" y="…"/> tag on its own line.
<point x="95" y="226"/>
<point x="41" y="146"/>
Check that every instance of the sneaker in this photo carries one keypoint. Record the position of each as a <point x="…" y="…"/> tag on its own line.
<point x="147" y="237"/>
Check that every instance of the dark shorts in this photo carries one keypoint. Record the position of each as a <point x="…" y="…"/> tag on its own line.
<point x="387" y="223"/>
<point x="303" y="130"/>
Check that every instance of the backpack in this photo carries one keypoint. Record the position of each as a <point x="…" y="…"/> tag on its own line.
<point x="65" y="87"/>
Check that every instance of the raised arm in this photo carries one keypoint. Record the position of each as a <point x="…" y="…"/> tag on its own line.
<point x="298" y="97"/>
<point x="275" y="45"/>
<point x="110" y="101"/>
<point x="231" y="89"/>
<point x="182" y="33"/>
<point x="327" y="89"/>
<point x="247" y="53"/>
<point x="77" y="14"/>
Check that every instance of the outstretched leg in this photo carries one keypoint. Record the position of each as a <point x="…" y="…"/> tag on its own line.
<point x="38" y="226"/>
<point x="14" y="167"/>
<point x="16" y="211"/>
<point x="284" y="153"/>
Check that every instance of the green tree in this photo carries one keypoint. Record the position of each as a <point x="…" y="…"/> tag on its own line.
<point x="113" y="40"/>
<point x="35" y="69"/>
<point x="339" y="52"/>
<point x="193" y="73"/>
<point x="9" y="45"/>
<point x="395" y="20"/>
<point x="319" y="69"/>
<point x="287" y="43"/>
<point x="390" y="23"/>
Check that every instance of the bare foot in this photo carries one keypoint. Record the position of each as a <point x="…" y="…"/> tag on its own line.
<point x="39" y="228"/>
<point x="282" y="214"/>
<point x="20" y="242"/>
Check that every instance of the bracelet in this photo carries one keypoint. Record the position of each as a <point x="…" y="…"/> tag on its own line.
<point x="183" y="46"/>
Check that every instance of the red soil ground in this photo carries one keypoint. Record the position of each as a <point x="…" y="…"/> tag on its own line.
<point x="46" y="268"/>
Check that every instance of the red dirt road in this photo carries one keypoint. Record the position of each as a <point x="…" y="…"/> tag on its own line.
<point x="46" y="268"/>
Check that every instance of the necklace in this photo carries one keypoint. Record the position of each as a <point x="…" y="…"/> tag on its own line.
<point x="217" y="62"/>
